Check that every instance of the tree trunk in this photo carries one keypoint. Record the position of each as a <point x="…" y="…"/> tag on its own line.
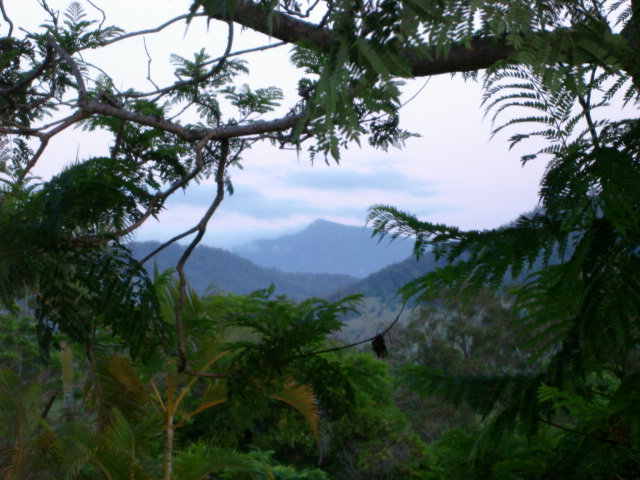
<point x="167" y="456"/>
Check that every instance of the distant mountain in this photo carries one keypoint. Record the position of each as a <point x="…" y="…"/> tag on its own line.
<point x="220" y="269"/>
<point x="327" y="247"/>
<point x="384" y="284"/>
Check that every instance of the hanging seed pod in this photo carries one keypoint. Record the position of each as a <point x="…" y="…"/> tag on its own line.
<point x="379" y="347"/>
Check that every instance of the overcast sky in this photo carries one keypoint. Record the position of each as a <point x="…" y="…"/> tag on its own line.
<point x="452" y="174"/>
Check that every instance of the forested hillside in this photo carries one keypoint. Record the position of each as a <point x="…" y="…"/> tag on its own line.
<point x="385" y="283"/>
<point x="110" y="372"/>
<point x="220" y="270"/>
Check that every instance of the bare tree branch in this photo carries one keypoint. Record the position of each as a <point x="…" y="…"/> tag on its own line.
<point x="196" y="134"/>
<point x="44" y="141"/>
<point x="238" y="53"/>
<point x="82" y="88"/>
<point x="150" y="30"/>
<point x="104" y="15"/>
<point x="52" y="13"/>
<point x="149" y="60"/>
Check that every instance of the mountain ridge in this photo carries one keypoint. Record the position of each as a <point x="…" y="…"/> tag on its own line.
<point x="211" y="268"/>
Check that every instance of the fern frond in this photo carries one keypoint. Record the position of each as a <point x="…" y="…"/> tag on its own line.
<point x="514" y="397"/>
<point x="201" y="460"/>
<point x="388" y="220"/>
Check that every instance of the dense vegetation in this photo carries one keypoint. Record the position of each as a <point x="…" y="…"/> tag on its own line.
<point x="213" y="269"/>
<point x="531" y="331"/>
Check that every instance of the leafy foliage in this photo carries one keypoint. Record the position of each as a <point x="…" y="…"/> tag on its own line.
<point x="366" y="435"/>
<point x="578" y="258"/>
<point x="71" y="278"/>
<point x="127" y="406"/>
<point x="26" y="445"/>
<point x="63" y="239"/>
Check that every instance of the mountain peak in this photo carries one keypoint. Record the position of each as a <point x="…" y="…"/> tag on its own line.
<point x="322" y="225"/>
<point x="321" y="222"/>
<point x="326" y="247"/>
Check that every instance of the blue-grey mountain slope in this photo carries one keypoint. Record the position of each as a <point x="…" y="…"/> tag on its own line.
<point x="219" y="269"/>
<point x="327" y="247"/>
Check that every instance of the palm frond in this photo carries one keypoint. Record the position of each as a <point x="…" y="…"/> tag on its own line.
<point x="302" y="398"/>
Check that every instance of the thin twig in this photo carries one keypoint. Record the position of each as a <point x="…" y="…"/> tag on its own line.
<point x="6" y="18"/>
<point x="164" y="90"/>
<point x="150" y="30"/>
<point x="355" y="344"/>
<point x="149" y="60"/>
<point x="53" y="14"/>
<point x="220" y="61"/>
<point x="237" y="53"/>
<point x="104" y="15"/>
<point x="167" y="243"/>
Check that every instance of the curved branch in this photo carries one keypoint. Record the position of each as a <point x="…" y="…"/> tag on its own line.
<point x="278" y="24"/>
<point x="82" y="88"/>
<point x="48" y="60"/>
<point x="480" y="53"/>
<point x="201" y="229"/>
<point x="196" y="134"/>
<point x="44" y="140"/>
<point x="149" y="60"/>
<point x="150" y="30"/>
<point x="6" y="18"/>
<point x="104" y="15"/>
<point x="188" y="232"/>
<point x="36" y="156"/>
<point x="483" y="52"/>
<point x="158" y="200"/>
<point x="171" y="241"/>
<point x="237" y="53"/>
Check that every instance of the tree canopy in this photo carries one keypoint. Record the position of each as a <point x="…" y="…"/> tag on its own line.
<point x="351" y="57"/>
<point x="63" y="239"/>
